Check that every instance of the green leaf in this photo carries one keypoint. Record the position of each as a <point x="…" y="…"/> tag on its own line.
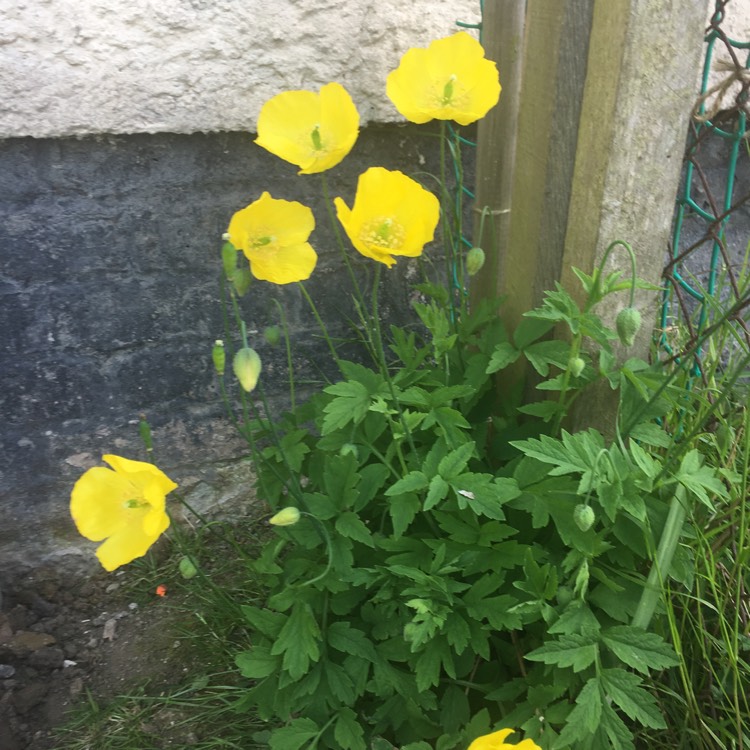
<point x="256" y="663"/>
<point x="348" y="732"/>
<point x="343" y="637"/>
<point x="620" y="737"/>
<point x="403" y="510"/>
<point x="437" y="492"/>
<point x="265" y="621"/>
<point x="576" y="651"/>
<point x="294" y="735"/>
<point x="340" y="479"/>
<point x="639" y="649"/>
<point x="414" y="481"/>
<point x="505" y="354"/>
<point x="542" y="354"/>
<point x="545" y="410"/>
<point x="577" y="618"/>
<point x="455" y="462"/>
<point x="351" y="405"/>
<point x="298" y="641"/>
<point x="584" y="719"/>
<point x="699" y="479"/>
<point x="454" y="709"/>
<point x="350" y="525"/>
<point x="625" y="690"/>
<point x="529" y="330"/>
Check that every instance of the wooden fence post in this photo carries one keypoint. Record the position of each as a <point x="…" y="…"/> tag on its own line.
<point x="606" y="91"/>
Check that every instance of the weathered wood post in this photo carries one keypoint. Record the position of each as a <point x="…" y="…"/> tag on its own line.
<point x="593" y="151"/>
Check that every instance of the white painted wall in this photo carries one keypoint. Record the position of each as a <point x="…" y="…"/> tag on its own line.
<point x="75" y="67"/>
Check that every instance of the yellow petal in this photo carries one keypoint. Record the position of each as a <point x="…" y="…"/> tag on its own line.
<point x="392" y="215"/>
<point x="283" y="265"/>
<point x="494" y="741"/>
<point x="313" y="131"/>
<point x="97" y="503"/>
<point x="450" y="80"/>
<point x="125" y="546"/>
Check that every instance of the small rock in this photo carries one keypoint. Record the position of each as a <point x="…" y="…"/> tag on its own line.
<point x="133" y="606"/>
<point x="25" y="640"/>
<point x="112" y="587"/>
<point x="47" y="658"/>
<point x="28" y="697"/>
<point x="76" y="687"/>
<point x="69" y="663"/>
<point x="108" y="634"/>
<point x="6" y="671"/>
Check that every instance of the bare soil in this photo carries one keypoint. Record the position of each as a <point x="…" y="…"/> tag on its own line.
<point x="64" y="636"/>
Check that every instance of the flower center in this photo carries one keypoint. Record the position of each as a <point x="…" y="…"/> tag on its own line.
<point x="133" y="503"/>
<point x="383" y="232"/>
<point x="262" y="241"/>
<point x="448" y="91"/>
<point x="316" y="140"/>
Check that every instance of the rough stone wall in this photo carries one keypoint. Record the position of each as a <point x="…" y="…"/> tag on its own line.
<point x="182" y="66"/>
<point x="110" y="303"/>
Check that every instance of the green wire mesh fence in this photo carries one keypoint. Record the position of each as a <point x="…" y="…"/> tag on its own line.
<point x="707" y="277"/>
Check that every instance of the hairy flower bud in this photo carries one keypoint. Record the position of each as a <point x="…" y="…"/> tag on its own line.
<point x="474" y="261"/>
<point x="628" y="323"/>
<point x="229" y="259"/>
<point x="187" y="567"/>
<point x="246" y="366"/>
<point x="576" y="365"/>
<point x="286" y="517"/>
<point x="219" y="356"/>
<point x="584" y="516"/>
<point x="272" y="335"/>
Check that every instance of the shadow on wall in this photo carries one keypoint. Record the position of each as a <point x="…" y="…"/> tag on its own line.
<point x="109" y="306"/>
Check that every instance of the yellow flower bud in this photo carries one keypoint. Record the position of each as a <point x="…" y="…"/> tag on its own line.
<point x="229" y="259"/>
<point x="627" y="323"/>
<point x="286" y="517"/>
<point x="246" y="366"/>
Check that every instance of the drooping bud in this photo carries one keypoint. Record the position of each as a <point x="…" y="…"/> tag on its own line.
<point x="474" y="261"/>
<point x="246" y="366"/>
<point x="188" y="568"/>
<point x="627" y="323"/>
<point x="219" y="356"/>
<point x="584" y="517"/>
<point x="229" y="259"/>
<point x="241" y="280"/>
<point x="286" y="517"/>
<point x="576" y="366"/>
<point x="272" y="335"/>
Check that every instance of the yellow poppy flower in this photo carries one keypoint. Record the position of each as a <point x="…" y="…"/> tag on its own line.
<point x="273" y="235"/>
<point x="124" y="505"/>
<point x="313" y="131"/>
<point x="496" y="741"/>
<point x="392" y="215"/>
<point x="450" y="80"/>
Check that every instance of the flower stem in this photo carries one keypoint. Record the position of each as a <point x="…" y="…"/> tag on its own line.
<point x="320" y="322"/>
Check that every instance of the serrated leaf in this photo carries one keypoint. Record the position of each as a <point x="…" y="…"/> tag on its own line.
<point x="351" y="526"/>
<point x="699" y="479"/>
<point x="403" y="510"/>
<point x="584" y="719"/>
<point x="414" y="481"/>
<point x="505" y="354"/>
<point x="542" y="354"/>
<point x="294" y="735"/>
<point x="620" y="737"/>
<point x="455" y="462"/>
<point x="265" y="621"/>
<point x="256" y="663"/>
<point x="576" y="651"/>
<point x="343" y="637"/>
<point x="437" y="492"/>
<point x="626" y="691"/>
<point x="298" y="641"/>
<point x="350" y="405"/>
<point x="639" y="649"/>
<point x="348" y="732"/>
<point x="577" y="618"/>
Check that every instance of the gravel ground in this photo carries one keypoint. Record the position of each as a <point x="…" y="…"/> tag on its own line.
<point x="63" y="634"/>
